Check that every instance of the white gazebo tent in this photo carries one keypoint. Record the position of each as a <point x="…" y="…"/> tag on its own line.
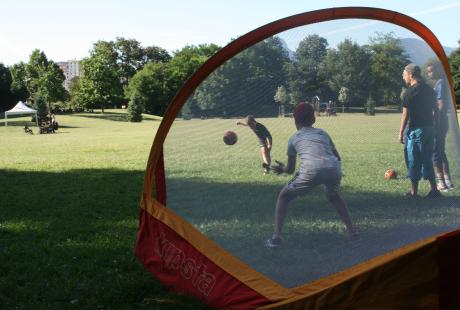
<point x="20" y="108"/>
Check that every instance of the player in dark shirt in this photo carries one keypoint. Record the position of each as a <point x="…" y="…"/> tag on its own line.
<point x="419" y="112"/>
<point x="264" y="137"/>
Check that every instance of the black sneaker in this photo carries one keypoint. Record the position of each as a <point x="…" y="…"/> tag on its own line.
<point x="433" y="194"/>
<point x="266" y="168"/>
<point x="273" y="243"/>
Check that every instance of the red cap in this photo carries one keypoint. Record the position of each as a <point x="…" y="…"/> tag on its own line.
<point x="304" y="114"/>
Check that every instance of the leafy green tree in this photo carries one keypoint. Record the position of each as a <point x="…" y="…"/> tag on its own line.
<point x="150" y="85"/>
<point x="100" y="84"/>
<point x="42" y="109"/>
<point x="135" y="109"/>
<point x="18" y="83"/>
<point x="454" y="61"/>
<point x="245" y="83"/>
<point x="186" y="61"/>
<point x="45" y="77"/>
<point x="74" y="90"/>
<point x="155" y="53"/>
<point x="305" y="79"/>
<point x="387" y="62"/>
<point x="7" y="99"/>
<point x="349" y="66"/>
<point x="132" y="57"/>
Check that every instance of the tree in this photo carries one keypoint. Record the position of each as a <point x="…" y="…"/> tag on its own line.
<point x="387" y="61"/>
<point x="349" y="66"/>
<point x="454" y="61"/>
<point x="18" y="83"/>
<point x="100" y="84"/>
<point x="246" y="83"/>
<point x="74" y="90"/>
<point x="155" y="53"/>
<point x="42" y="109"/>
<point x="135" y="109"/>
<point x="131" y="56"/>
<point x="150" y="86"/>
<point x="44" y="77"/>
<point x="186" y="61"/>
<point x="305" y="79"/>
<point x="7" y="99"/>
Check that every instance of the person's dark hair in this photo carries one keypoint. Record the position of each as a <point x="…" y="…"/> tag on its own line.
<point x="250" y="118"/>
<point x="304" y="114"/>
<point x="437" y="67"/>
<point x="414" y="70"/>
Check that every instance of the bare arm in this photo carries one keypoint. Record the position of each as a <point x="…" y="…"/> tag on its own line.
<point x="269" y="143"/>
<point x="288" y="168"/>
<point x="403" y="124"/>
<point x="440" y="104"/>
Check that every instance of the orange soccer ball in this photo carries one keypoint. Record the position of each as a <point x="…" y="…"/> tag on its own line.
<point x="390" y="174"/>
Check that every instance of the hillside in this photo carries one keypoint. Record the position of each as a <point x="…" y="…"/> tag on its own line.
<point x="418" y="51"/>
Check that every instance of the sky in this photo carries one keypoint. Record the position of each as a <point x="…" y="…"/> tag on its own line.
<point x="66" y="30"/>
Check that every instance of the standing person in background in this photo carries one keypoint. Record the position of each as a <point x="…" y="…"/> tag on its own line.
<point x="441" y="164"/>
<point x="265" y="139"/>
<point x="420" y="112"/>
<point x="52" y="120"/>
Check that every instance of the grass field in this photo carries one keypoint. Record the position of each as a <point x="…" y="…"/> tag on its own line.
<point x="222" y="191"/>
<point x="70" y="201"/>
<point x="69" y="206"/>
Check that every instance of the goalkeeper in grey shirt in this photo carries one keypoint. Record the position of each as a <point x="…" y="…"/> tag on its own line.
<point x="319" y="164"/>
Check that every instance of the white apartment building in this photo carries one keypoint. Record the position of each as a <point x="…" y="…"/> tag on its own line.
<point x="71" y="68"/>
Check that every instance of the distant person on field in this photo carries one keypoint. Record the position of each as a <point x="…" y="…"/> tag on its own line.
<point x="419" y="112"/>
<point x="265" y="139"/>
<point x="319" y="164"/>
<point x="441" y="164"/>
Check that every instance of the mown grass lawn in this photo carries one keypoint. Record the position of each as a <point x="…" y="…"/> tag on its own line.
<point x="69" y="205"/>
<point x="221" y="190"/>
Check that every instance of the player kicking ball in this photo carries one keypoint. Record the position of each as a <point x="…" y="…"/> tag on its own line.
<point x="319" y="164"/>
<point x="265" y="139"/>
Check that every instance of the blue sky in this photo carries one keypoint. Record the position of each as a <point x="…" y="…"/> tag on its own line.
<point x="67" y="29"/>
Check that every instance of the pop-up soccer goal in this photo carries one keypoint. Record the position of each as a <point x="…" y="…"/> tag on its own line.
<point x="207" y="207"/>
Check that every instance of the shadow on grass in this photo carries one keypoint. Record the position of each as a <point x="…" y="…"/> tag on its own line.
<point x="112" y="116"/>
<point x="239" y="217"/>
<point x="67" y="240"/>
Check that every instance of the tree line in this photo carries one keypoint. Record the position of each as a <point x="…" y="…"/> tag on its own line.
<point x="263" y="77"/>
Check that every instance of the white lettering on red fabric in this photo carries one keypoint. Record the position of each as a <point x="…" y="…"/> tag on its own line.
<point x="174" y="258"/>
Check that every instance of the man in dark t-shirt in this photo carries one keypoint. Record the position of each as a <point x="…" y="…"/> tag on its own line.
<point x="264" y="137"/>
<point x="419" y="112"/>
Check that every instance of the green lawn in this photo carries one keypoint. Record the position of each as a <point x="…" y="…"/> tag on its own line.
<point x="222" y="191"/>
<point x="70" y="202"/>
<point x="69" y="206"/>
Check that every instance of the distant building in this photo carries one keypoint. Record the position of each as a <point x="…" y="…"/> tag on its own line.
<point x="71" y="69"/>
